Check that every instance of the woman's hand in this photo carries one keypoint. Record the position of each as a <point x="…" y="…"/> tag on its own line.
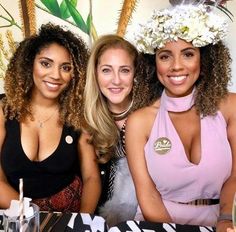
<point x="224" y="226"/>
<point x="230" y="230"/>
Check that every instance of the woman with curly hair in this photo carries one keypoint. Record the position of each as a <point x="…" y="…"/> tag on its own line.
<point x="115" y="86"/>
<point x="41" y="119"/>
<point x="181" y="149"/>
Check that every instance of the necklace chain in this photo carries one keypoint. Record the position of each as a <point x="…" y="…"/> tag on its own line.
<point x="40" y="123"/>
<point x="123" y="114"/>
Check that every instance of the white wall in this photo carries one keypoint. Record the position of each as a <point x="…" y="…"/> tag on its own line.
<point x="231" y="42"/>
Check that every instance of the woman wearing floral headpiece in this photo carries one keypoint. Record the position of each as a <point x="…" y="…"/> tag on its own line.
<point x="181" y="150"/>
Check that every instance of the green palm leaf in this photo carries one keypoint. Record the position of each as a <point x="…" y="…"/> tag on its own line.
<point x="65" y="13"/>
<point x="77" y="17"/>
<point x="53" y="7"/>
<point x="89" y="21"/>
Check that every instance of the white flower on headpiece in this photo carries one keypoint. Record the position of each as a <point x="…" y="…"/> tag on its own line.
<point x="188" y="22"/>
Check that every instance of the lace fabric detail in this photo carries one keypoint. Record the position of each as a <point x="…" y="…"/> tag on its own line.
<point x="67" y="200"/>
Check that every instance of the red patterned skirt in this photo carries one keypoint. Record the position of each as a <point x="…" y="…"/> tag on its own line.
<point x="67" y="200"/>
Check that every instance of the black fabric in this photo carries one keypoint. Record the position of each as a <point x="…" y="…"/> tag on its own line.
<point x="105" y="173"/>
<point x="62" y="223"/>
<point x="109" y="169"/>
<point x="51" y="220"/>
<point x="44" y="178"/>
<point x="158" y="227"/>
<point x="1" y="223"/>
<point x="2" y="95"/>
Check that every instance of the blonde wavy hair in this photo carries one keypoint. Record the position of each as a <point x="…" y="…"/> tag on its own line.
<point x="101" y="125"/>
<point x="18" y="81"/>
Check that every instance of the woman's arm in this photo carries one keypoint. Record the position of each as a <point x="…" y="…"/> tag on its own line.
<point x="228" y="108"/>
<point x="90" y="175"/>
<point x="138" y="128"/>
<point x="7" y="193"/>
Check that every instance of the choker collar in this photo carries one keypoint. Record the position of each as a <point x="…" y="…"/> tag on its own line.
<point x="122" y="115"/>
<point x="179" y="104"/>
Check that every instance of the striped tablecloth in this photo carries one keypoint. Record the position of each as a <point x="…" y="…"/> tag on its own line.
<point x="70" y="222"/>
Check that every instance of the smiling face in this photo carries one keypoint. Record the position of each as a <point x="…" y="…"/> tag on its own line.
<point x="178" y="67"/>
<point x="52" y="71"/>
<point x="115" y="75"/>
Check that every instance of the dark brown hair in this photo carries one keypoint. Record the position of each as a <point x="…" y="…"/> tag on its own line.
<point x="18" y="80"/>
<point x="212" y="84"/>
<point x="215" y="76"/>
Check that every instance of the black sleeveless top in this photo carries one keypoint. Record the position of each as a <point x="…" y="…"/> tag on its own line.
<point x="44" y="178"/>
<point x="109" y="169"/>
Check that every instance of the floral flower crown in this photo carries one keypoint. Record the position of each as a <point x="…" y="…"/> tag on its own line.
<point x="192" y="23"/>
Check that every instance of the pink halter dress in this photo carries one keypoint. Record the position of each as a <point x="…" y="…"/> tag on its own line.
<point x="179" y="180"/>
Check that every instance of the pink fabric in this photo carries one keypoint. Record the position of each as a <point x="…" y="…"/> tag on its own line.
<point x="179" y="180"/>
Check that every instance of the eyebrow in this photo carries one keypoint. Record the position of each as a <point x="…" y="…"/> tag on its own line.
<point x="51" y="60"/>
<point x="122" y="66"/>
<point x="183" y="50"/>
<point x="189" y="48"/>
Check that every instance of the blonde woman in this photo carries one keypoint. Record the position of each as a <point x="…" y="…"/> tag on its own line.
<point x="116" y="85"/>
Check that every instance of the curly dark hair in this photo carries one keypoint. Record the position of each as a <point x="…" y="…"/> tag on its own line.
<point x="212" y="85"/>
<point x="18" y="81"/>
<point x="147" y="88"/>
<point x="215" y="76"/>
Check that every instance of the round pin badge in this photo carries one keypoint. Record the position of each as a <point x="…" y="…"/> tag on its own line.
<point x="69" y="139"/>
<point x="162" y="145"/>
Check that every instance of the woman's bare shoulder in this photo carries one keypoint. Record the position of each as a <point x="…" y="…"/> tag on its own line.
<point x="228" y="104"/>
<point x="2" y="124"/>
<point x="1" y="111"/>
<point x="230" y="97"/>
<point x="144" y="115"/>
